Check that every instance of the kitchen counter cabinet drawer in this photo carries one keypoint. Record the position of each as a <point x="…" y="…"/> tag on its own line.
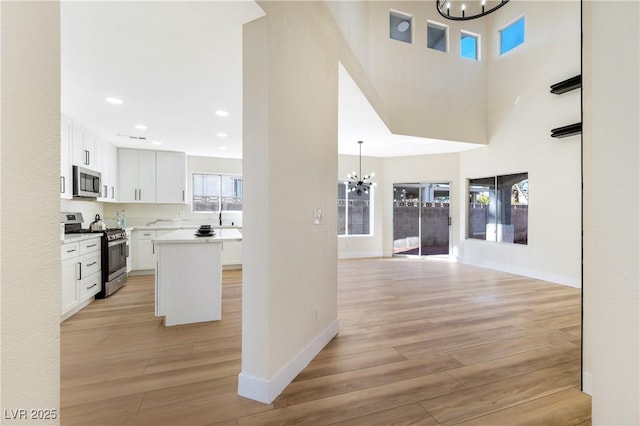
<point x="90" y="264"/>
<point x="69" y="251"/>
<point x="89" y="246"/>
<point x="90" y="286"/>
<point x="146" y="235"/>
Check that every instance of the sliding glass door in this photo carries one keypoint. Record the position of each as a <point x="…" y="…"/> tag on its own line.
<point x="421" y="219"/>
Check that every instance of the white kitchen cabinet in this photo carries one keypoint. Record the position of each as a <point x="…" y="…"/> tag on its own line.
<point x="136" y="176"/>
<point x="171" y="174"/>
<point x="231" y="253"/>
<point x="109" y="173"/>
<point x="66" y="178"/>
<point x="70" y="273"/>
<point x="81" y="274"/>
<point x="144" y="252"/>
<point x="83" y="148"/>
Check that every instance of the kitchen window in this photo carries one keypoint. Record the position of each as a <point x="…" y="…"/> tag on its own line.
<point x="355" y="212"/>
<point x="499" y="208"/>
<point x="213" y="193"/>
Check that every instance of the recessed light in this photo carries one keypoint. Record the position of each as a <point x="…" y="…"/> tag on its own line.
<point x="222" y="113"/>
<point x="221" y="135"/>
<point x="222" y="148"/>
<point x="156" y="143"/>
<point x="114" y="101"/>
<point x="141" y="127"/>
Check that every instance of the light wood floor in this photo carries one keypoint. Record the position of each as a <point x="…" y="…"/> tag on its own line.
<point x="420" y="343"/>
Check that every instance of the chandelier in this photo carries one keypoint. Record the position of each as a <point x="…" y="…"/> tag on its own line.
<point x="358" y="183"/>
<point x="470" y="9"/>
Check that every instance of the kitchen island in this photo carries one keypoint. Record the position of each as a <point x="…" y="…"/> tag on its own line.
<point x="189" y="275"/>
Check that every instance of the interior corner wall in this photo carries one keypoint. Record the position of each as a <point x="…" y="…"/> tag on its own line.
<point x="420" y="169"/>
<point x="611" y="82"/>
<point x="290" y="121"/>
<point x="522" y="113"/>
<point x="360" y="246"/>
<point x="403" y="80"/>
<point x="30" y="274"/>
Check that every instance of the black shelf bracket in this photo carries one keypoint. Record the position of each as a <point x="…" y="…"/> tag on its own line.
<point x="566" y="131"/>
<point x="567" y="85"/>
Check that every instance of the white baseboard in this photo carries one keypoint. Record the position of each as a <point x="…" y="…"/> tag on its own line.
<point x="587" y="383"/>
<point x="359" y="254"/>
<point x="265" y="391"/>
<point x="511" y="269"/>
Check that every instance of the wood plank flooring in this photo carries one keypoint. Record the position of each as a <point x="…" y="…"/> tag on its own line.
<point x="424" y="342"/>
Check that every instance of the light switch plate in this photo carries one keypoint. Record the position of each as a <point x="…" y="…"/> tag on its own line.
<point x="317" y="217"/>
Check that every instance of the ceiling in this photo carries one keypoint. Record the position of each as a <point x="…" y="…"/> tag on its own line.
<point x="173" y="65"/>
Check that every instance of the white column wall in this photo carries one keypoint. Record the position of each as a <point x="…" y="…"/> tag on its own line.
<point x="30" y="200"/>
<point x="522" y="113"/>
<point x="290" y="162"/>
<point x="611" y="80"/>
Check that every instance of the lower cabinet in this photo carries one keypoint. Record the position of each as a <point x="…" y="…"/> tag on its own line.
<point x="81" y="274"/>
<point x="145" y="255"/>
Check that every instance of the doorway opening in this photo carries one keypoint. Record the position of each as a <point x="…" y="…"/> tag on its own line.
<point x="421" y="221"/>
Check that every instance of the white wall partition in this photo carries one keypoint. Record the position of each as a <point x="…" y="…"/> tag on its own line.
<point x="612" y="273"/>
<point x="30" y="267"/>
<point x="521" y="114"/>
<point x="290" y="164"/>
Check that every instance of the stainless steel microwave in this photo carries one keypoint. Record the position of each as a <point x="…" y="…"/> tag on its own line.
<point x="86" y="183"/>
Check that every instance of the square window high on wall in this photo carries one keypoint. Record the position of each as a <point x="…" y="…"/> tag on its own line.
<point x="437" y="36"/>
<point x="400" y="26"/>
<point x="470" y="45"/>
<point x="512" y="35"/>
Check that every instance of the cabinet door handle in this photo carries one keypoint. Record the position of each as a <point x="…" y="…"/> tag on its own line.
<point x="113" y="193"/>
<point x="183" y="195"/>
<point x="92" y="286"/>
<point x="86" y="157"/>
<point x="91" y="245"/>
<point x="91" y="264"/>
<point x="71" y="251"/>
<point x="135" y="194"/>
<point x="79" y="271"/>
<point x="140" y="194"/>
<point x="62" y="185"/>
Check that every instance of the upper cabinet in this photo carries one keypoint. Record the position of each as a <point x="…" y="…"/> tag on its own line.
<point x="108" y="192"/>
<point x="151" y="177"/>
<point x="137" y="176"/>
<point x="85" y="152"/>
<point x="66" y="178"/>
<point x="80" y="147"/>
<point x="171" y="177"/>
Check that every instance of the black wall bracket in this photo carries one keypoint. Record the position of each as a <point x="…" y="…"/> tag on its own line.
<point x="567" y="85"/>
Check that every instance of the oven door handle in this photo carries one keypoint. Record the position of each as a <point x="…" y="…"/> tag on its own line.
<point x="116" y="242"/>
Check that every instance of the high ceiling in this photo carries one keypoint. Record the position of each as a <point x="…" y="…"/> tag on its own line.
<point x="173" y="65"/>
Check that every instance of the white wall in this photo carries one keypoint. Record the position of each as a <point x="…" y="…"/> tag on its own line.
<point x="140" y="214"/>
<point x="356" y="246"/>
<point x="415" y="89"/>
<point x="30" y="247"/>
<point x="521" y="114"/>
<point x="290" y="164"/>
<point x="611" y="157"/>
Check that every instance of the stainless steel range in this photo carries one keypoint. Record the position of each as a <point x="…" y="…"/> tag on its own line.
<point x="114" y="252"/>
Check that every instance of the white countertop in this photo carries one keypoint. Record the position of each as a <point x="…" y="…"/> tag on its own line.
<point x="169" y="227"/>
<point x="188" y="236"/>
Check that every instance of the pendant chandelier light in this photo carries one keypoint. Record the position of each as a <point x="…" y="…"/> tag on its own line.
<point x="358" y="183"/>
<point x="469" y="9"/>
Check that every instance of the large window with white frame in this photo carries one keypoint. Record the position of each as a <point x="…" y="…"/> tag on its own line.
<point x="499" y="208"/>
<point x="214" y="192"/>
<point x="355" y="212"/>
